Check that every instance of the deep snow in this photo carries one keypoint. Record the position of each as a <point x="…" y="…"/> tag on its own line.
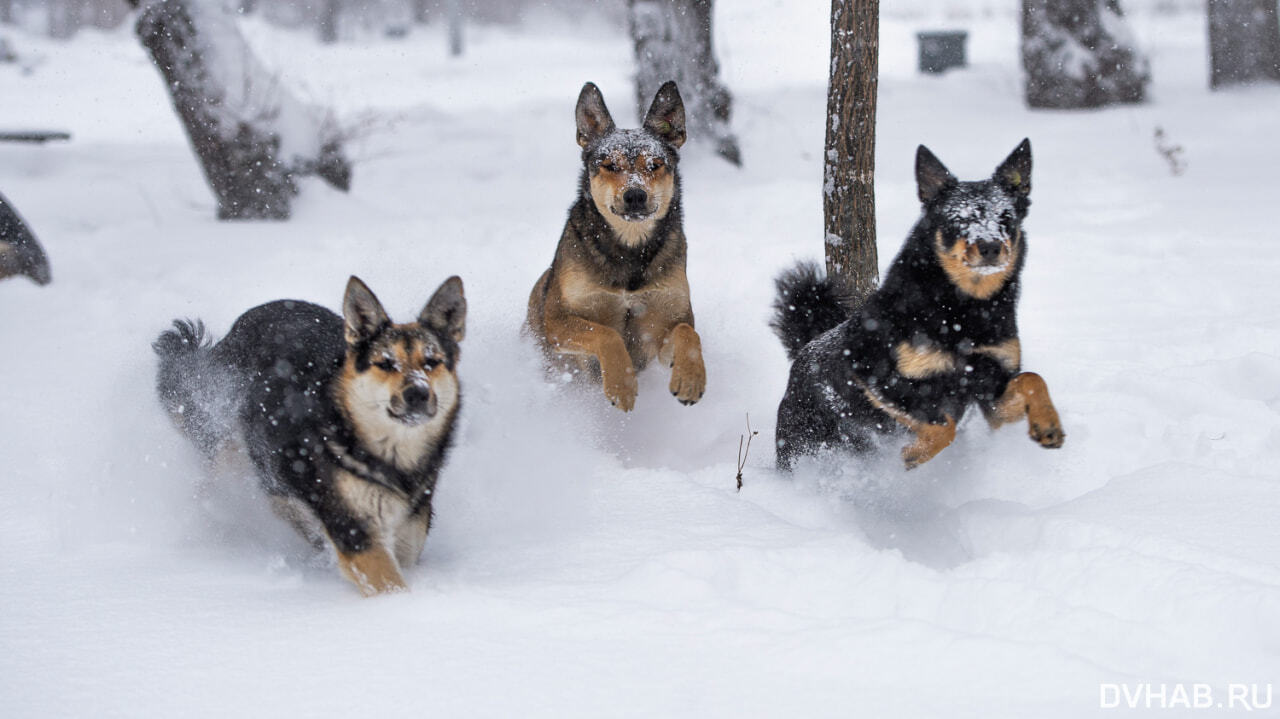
<point x="586" y="563"/>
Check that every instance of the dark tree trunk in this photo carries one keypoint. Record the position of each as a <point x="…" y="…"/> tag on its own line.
<point x="848" y="176"/>
<point x="328" y="23"/>
<point x="1244" y="42"/>
<point x="454" y="8"/>
<point x="6" y="12"/>
<point x="1080" y="54"/>
<point x="673" y="42"/>
<point x="235" y="112"/>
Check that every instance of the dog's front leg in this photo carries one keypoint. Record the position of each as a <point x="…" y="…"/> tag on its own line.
<point x="373" y="570"/>
<point x="681" y="350"/>
<point x="1028" y="395"/>
<point x="575" y="335"/>
<point x="930" y="440"/>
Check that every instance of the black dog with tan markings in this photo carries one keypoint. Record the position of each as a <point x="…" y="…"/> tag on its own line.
<point x="347" y="420"/>
<point x="616" y="295"/>
<point x="940" y="334"/>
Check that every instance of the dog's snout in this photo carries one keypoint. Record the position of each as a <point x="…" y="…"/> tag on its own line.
<point x="990" y="251"/>
<point x="635" y="198"/>
<point x="416" y="396"/>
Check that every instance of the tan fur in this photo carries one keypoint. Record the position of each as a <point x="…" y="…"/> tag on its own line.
<point x="1007" y="353"/>
<point x="373" y="571"/>
<point x="930" y="440"/>
<point x="366" y="396"/>
<point x="921" y="361"/>
<point x="386" y="512"/>
<point x="573" y="313"/>
<point x="959" y="262"/>
<point x="1027" y="395"/>
<point x="608" y="186"/>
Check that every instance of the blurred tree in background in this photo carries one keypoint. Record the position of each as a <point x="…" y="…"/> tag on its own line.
<point x="1080" y="54"/>
<point x="1244" y="42"/>
<point x="673" y="42"/>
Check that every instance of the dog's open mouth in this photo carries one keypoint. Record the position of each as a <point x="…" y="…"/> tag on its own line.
<point x="635" y="216"/>
<point x="988" y="268"/>
<point x="412" y="418"/>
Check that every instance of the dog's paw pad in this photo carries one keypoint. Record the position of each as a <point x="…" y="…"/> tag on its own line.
<point x="1050" y="437"/>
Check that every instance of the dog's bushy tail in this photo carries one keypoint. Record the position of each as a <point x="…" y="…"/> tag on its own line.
<point x="808" y="304"/>
<point x="188" y="381"/>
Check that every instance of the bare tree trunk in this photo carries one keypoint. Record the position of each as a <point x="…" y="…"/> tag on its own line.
<point x="848" y="187"/>
<point x="328" y="23"/>
<point x="1079" y="53"/>
<point x="1244" y="42"/>
<point x="6" y="12"/>
<point x="454" y="8"/>
<point x="251" y="136"/>
<point x="673" y="42"/>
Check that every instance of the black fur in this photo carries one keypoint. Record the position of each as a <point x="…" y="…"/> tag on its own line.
<point x="807" y="305"/>
<point x="841" y="356"/>
<point x="271" y="384"/>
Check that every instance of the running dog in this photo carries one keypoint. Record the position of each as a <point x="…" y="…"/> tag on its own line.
<point x="347" y="420"/>
<point x="616" y="295"/>
<point x="940" y="334"/>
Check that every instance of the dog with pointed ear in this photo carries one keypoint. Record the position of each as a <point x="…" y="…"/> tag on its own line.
<point x="347" y="419"/>
<point x="938" y="336"/>
<point x="616" y="296"/>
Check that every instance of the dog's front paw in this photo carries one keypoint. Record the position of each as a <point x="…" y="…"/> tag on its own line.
<point x="688" y="380"/>
<point x="1045" y="429"/>
<point x="620" y="388"/>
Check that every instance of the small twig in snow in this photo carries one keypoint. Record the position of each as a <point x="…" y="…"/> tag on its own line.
<point x="743" y="451"/>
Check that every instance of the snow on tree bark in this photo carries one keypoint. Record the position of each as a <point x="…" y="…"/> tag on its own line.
<point x="1244" y="42"/>
<point x="673" y="42"/>
<point x="848" y="187"/>
<point x="251" y="136"/>
<point x="1080" y="54"/>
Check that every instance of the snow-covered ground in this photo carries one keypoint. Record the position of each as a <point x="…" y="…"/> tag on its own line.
<point x="587" y="563"/>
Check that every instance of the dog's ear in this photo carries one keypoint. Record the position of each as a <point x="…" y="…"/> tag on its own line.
<point x="446" y="311"/>
<point x="932" y="177"/>
<point x="594" y="120"/>
<point x="666" y="115"/>
<point x="1014" y="174"/>
<point x="362" y="312"/>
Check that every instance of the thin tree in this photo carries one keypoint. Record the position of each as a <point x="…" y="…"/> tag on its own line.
<point x="1080" y="54"/>
<point x="848" y="187"/>
<point x="1244" y="42"/>
<point x="673" y="42"/>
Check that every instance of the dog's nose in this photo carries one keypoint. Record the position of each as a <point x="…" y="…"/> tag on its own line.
<point x="990" y="251"/>
<point x="416" y="396"/>
<point x="635" y="198"/>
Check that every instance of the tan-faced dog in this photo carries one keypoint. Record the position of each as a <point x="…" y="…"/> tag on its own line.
<point x="940" y="333"/>
<point x="616" y="295"/>
<point x="347" y="420"/>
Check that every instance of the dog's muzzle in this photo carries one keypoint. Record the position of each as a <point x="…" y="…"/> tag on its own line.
<point x="415" y="404"/>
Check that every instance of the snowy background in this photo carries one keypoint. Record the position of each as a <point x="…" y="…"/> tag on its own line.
<point x="587" y="563"/>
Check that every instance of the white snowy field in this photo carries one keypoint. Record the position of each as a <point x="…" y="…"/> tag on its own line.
<point x="585" y="563"/>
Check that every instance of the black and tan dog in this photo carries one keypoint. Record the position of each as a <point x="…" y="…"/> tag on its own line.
<point x="616" y="295"/>
<point x="940" y="334"/>
<point x="347" y="420"/>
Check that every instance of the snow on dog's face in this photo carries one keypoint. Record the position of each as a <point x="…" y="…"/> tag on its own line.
<point x="631" y="174"/>
<point x="978" y="225"/>
<point x="398" y="380"/>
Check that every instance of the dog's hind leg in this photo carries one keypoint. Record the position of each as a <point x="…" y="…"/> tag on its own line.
<point x="1027" y="395"/>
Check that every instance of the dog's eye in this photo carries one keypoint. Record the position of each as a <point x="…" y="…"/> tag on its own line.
<point x="385" y="365"/>
<point x="610" y="167"/>
<point x="431" y="363"/>
<point x="656" y="165"/>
